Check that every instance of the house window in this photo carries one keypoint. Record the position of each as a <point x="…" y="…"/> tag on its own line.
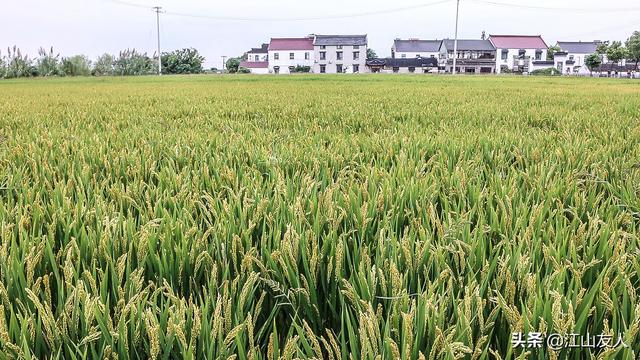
<point x="306" y="56"/>
<point x="521" y="54"/>
<point x="292" y="69"/>
<point x="356" y="55"/>
<point x="355" y="47"/>
<point x="538" y="55"/>
<point x="257" y="58"/>
<point x="276" y="56"/>
<point x="412" y="69"/>
<point x="339" y="47"/>
<point x="292" y="56"/>
<point x="276" y="69"/>
<point x="339" y="55"/>
<point x="403" y="56"/>
<point x="396" y="69"/>
<point x="356" y="68"/>
<point x="323" y="69"/>
<point x="323" y="55"/>
<point x="504" y="54"/>
<point x="323" y="47"/>
<point x="570" y="57"/>
<point x="339" y="68"/>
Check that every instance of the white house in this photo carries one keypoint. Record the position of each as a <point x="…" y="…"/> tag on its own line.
<point x="571" y="59"/>
<point x="517" y="53"/>
<point x="339" y="54"/>
<point x="413" y="48"/>
<point x="257" y="60"/>
<point x="285" y="54"/>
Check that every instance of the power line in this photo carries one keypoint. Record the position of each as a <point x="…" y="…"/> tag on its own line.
<point x="327" y="17"/>
<point x="125" y="3"/>
<point x="572" y="9"/>
<point x="609" y="28"/>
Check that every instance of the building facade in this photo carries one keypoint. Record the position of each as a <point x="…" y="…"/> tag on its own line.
<point x="413" y="48"/>
<point x="473" y="57"/>
<point x="256" y="60"/>
<point x="517" y="53"/>
<point x="334" y="54"/>
<point x="287" y="55"/>
<point x="571" y="59"/>
<point x="416" y="65"/>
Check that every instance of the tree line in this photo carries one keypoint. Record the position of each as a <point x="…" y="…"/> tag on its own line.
<point x="129" y="62"/>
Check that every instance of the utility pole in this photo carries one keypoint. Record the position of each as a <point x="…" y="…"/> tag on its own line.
<point x="158" y="9"/>
<point x="455" y="41"/>
<point x="224" y="62"/>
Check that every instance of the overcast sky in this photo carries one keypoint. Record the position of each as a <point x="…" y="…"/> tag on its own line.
<point x="93" y="27"/>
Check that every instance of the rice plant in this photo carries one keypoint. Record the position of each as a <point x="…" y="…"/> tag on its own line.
<point x="363" y="217"/>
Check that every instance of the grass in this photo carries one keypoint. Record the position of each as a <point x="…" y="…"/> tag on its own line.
<point x="360" y="217"/>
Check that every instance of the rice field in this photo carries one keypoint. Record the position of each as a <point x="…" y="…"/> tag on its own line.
<point x="329" y="217"/>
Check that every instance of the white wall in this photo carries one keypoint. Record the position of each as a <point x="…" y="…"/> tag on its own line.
<point x="260" y="71"/>
<point x="252" y="57"/>
<point x="347" y="61"/>
<point x="284" y="60"/>
<point x="531" y="53"/>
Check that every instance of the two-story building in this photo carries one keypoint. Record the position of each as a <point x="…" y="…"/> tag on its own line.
<point x="334" y="54"/>
<point x="473" y="57"/>
<point x="413" y="48"/>
<point x="286" y="55"/>
<point x="257" y="60"/>
<point x="571" y="58"/>
<point x="519" y="53"/>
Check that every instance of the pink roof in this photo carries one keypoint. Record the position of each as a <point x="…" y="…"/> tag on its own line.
<point x="291" y="44"/>
<point x="254" y="64"/>
<point x="518" y="42"/>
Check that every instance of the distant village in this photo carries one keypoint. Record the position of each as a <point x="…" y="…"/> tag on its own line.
<point x="492" y="54"/>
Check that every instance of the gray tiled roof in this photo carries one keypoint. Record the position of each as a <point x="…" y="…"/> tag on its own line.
<point x="417" y="45"/>
<point x="464" y="44"/>
<point x="347" y="40"/>
<point x="578" y="47"/>
<point x="261" y="50"/>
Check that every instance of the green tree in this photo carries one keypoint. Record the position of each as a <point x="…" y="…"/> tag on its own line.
<point x="371" y="54"/>
<point x="3" y="66"/>
<point x="602" y="48"/>
<point x="48" y="63"/>
<point x="233" y="64"/>
<point x="633" y="47"/>
<point x="551" y="51"/>
<point x="593" y="61"/>
<point x="78" y="65"/>
<point x="184" y="61"/>
<point x="616" y="52"/>
<point x="104" y="66"/>
<point x="131" y="62"/>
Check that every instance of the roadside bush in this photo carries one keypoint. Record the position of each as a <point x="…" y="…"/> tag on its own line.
<point x="78" y="65"/>
<point x="104" y="66"/>
<point x="545" y="72"/>
<point x="184" y="61"/>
